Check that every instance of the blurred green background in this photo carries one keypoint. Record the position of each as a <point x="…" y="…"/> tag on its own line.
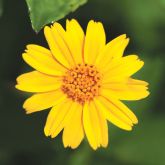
<point x="22" y="141"/>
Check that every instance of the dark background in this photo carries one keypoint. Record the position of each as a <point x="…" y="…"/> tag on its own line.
<point x="22" y="141"/>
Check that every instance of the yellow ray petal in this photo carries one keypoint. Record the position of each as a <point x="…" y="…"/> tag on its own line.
<point x="103" y="127"/>
<point x="124" y="109"/>
<point x="54" y="47"/>
<point x="118" y="62"/>
<point x="58" y="117"/>
<point x="75" y="40"/>
<point x="127" y="89"/>
<point x="90" y="122"/>
<point x="132" y="81"/>
<point x="125" y="94"/>
<point x="119" y="53"/>
<point x="126" y="85"/>
<point x="111" y="113"/>
<point x="37" y="82"/>
<point x="115" y="109"/>
<point x="122" y="68"/>
<point x="94" y="41"/>
<point x="61" y="40"/>
<point x="114" y="49"/>
<point x="73" y="132"/>
<point x="42" y="60"/>
<point x="43" y="101"/>
<point x="95" y="126"/>
<point x="38" y="48"/>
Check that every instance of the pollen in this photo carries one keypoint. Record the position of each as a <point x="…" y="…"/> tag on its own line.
<point x="82" y="83"/>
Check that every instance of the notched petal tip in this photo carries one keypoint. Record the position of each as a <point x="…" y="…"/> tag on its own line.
<point x="28" y="113"/>
<point x="24" y="55"/>
<point x="46" y="132"/>
<point x="136" y="122"/>
<point x="71" y="20"/>
<point x="25" y="106"/>
<point x="129" y="129"/>
<point x="146" y="94"/>
<point x="122" y="36"/>
<point x="18" y="86"/>
<point x="70" y="146"/>
<point x="46" y="30"/>
<point x="146" y="83"/>
<point x="127" y="40"/>
<point x="90" y="22"/>
<point x="67" y="21"/>
<point x="94" y="147"/>
<point x="27" y="109"/>
<point x="73" y="147"/>
<point x="17" y="83"/>
<point x="30" y="46"/>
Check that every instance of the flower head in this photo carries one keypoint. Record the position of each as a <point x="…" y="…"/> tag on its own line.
<point x="83" y="79"/>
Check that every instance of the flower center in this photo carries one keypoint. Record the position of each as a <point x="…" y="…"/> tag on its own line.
<point x="82" y="83"/>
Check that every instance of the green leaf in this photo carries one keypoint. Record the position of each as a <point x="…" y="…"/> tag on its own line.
<point x="43" y="12"/>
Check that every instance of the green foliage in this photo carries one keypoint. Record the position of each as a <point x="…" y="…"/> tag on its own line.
<point x="144" y="145"/>
<point x="43" y="12"/>
<point x="1" y="7"/>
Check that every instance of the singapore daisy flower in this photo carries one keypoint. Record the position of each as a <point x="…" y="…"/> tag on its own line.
<point x="83" y="80"/>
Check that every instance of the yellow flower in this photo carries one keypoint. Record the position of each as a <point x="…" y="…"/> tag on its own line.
<point x="83" y="79"/>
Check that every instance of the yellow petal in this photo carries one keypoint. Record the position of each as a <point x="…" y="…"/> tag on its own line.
<point x="125" y="95"/>
<point x="119" y="53"/>
<point x="115" y="109"/>
<point x="125" y="85"/>
<point x="132" y="81"/>
<point x="115" y="63"/>
<point x="73" y="132"/>
<point x="114" y="49"/>
<point x="90" y="129"/>
<point x="61" y="41"/>
<point x="75" y="40"/>
<point x="43" y="101"/>
<point x="122" y="110"/>
<point x="58" y="117"/>
<point x="103" y="127"/>
<point x="42" y="60"/>
<point x="95" y="126"/>
<point x="130" y="89"/>
<point x="94" y="41"/>
<point x="37" y="82"/>
<point x="54" y="47"/>
<point x="122" y="68"/>
<point x="112" y="113"/>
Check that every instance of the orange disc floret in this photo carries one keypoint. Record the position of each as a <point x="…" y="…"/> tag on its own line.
<point x="82" y="83"/>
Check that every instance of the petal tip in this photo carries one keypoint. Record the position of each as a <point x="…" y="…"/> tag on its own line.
<point x="16" y="84"/>
<point x="46" y="30"/>
<point x="24" y="55"/>
<point x="46" y="132"/>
